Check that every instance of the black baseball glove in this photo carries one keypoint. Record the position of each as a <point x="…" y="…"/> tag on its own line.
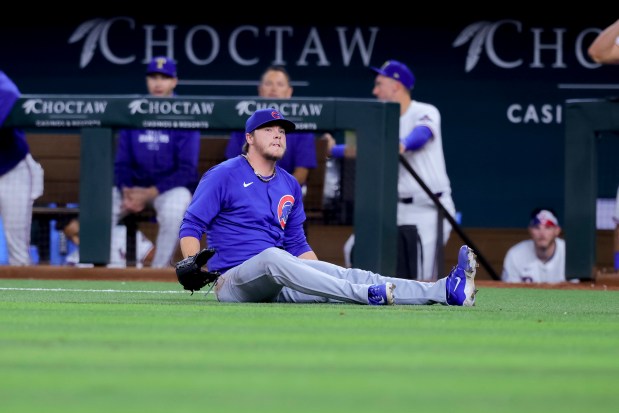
<point x="190" y="274"/>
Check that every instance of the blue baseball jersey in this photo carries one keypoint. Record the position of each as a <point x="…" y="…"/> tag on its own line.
<point x="300" y="150"/>
<point x="242" y="215"/>
<point x="165" y="158"/>
<point x="13" y="144"/>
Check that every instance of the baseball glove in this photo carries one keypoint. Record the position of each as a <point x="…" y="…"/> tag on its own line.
<point x="190" y="274"/>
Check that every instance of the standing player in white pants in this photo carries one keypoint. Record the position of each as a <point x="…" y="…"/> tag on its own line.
<point x="252" y="213"/>
<point x="421" y="144"/>
<point x="157" y="168"/>
<point x="21" y="180"/>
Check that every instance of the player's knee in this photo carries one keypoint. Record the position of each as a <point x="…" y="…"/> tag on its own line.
<point x="272" y="253"/>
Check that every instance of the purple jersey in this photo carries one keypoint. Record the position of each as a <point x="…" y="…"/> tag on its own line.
<point x="300" y="150"/>
<point x="13" y="144"/>
<point x="242" y="215"/>
<point x="163" y="158"/>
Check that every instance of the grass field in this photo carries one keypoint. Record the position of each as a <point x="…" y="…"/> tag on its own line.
<point x="107" y="346"/>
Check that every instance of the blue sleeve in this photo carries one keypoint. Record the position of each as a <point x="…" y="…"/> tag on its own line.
<point x="295" y="241"/>
<point x="187" y="144"/>
<point x="8" y="96"/>
<point x="417" y="138"/>
<point x="305" y="151"/>
<point x="338" y="151"/>
<point x="235" y="144"/>
<point x="123" y="161"/>
<point x="205" y="204"/>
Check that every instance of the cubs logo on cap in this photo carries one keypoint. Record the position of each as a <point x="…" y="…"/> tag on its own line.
<point x="163" y="65"/>
<point x="398" y="71"/>
<point x="263" y="117"/>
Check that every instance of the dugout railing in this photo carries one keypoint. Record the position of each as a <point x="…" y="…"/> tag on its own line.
<point x="97" y="117"/>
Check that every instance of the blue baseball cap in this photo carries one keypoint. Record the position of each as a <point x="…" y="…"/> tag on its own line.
<point x="163" y="65"/>
<point x="398" y="71"/>
<point x="263" y="117"/>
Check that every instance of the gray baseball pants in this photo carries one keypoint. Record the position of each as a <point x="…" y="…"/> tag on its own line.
<point x="275" y="275"/>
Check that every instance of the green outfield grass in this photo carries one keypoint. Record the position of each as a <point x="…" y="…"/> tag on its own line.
<point x="105" y="346"/>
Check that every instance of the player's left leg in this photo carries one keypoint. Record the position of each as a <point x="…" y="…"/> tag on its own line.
<point x="273" y="269"/>
<point x="456" y="289"/>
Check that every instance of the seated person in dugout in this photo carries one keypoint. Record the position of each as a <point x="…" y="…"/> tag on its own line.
<point x="540" y="259"/>
<point x="156" y="168"/>
<point x="145" y="249"/>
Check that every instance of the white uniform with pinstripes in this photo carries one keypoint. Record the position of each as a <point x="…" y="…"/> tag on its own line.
<point x="19" y="187"/>
<point x="429" y="163"/>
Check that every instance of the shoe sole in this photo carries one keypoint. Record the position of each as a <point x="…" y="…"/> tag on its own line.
<point x="390" y="295"/>
<point x="469" y="289"/>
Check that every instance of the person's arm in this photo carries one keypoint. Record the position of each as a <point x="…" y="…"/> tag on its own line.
<point x="509" y="272"/>
<point x="123" y="160"/>
<point x="8" y="96"/>
<point x="339" y="150"/>
<point x="605" y="47"/>
<point x="189" y="246"/>
<point x="309" y="255"/>
<point x="235" y="144"/>
<point x="302" y="147"/>
<point x="417" y="138"/>
<point x="300" y="173"/>
<point x="187" y="149"/>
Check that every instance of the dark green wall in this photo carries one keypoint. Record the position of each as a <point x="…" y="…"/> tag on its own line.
<point x="501" y="90"/>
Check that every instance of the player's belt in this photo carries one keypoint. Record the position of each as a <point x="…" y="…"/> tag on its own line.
<point x="411" y="199"/>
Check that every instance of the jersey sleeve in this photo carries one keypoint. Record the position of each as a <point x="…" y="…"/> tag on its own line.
<point x="8" y="96"/>
<point x="305" y="150"/>
<point x="187" y="148"/>
<point x="235" y="144"/>
<point x="123" y="161"/>
<point x="295" y="241"/>
<point x="510" y="269"/>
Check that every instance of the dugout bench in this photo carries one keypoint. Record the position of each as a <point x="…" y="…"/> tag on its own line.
<point x="59" y="154"/>
<point x="96" y="117"/>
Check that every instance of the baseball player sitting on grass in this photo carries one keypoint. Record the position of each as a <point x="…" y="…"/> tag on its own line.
<point x="252" y="213"/>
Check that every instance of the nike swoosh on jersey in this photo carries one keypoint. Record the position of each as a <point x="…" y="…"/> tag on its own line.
<point x="245" y="185"/>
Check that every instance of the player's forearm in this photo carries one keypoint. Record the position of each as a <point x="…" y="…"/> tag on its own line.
<point x="189" y="246"/>
<point x="605" y="48"/>
<point x="309" y="255"/>
<point x="300" y="174"/>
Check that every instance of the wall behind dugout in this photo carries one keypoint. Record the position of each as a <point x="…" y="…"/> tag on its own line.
<point x="500" y="80"/>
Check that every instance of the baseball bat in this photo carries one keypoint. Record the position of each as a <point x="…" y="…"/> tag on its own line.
<point x="452" y="221"/>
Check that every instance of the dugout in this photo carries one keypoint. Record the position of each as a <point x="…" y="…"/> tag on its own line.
<point x="97" y="117"/>
<point x="586" y="120"/>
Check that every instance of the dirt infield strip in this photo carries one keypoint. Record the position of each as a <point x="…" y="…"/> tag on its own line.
<point x="603" y="281"/>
